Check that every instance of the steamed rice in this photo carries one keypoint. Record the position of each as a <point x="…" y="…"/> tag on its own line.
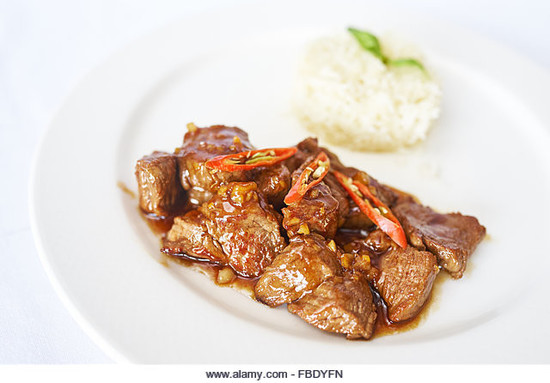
<point x="348" y="97"/>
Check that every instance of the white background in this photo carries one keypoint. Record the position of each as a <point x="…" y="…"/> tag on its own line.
<point x="46" y="47"/>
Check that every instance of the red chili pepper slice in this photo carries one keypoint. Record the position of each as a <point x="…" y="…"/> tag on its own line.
<point x="250" y="159"/>
<point x="311" y="176"/>
<point x="381" y="215"/>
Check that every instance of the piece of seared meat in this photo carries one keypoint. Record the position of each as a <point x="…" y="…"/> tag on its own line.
<point x="404" y="280"/>
<point x="158" y="185"/>
<point x="302" y="266"/>
<point x="315" y="212"/>
<point x="341" y="304"/>
<point x="451" y="237"/>
<point x="350" y="216"/>
<point x="202" y="144"/>
<point x="246" y="226"/>
<point x="309" y="149"/>
<point x="189" y="236"/>
<point x="238" y="222"/>
<point x="403" y="277"/>
<point x="273" y="182"/>
<point x="321" y="210"/>
<point x="376" y="242"/>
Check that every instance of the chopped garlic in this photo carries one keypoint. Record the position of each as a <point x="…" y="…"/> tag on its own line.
<point x="225" y="275"/>
<point x="304" y="229"/>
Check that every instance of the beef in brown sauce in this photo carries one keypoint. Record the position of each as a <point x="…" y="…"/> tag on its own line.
<point x="202" y="144"/>
<point x="321" y="210"/>
<point x="304" y="264"/>
<point x="349" y="214"/>
<point x="336" y="257"/>
<point x="403" y="277"/>
<point x="158" y="186"/>
<point x="404" y="280"/>
<point x="376" y="242"/>
<point x="316" y="212"/>
<point x="238" y="222"/>
<point x="451" y="237"/>
<point x="189" y="237"/>
<point x="342" y="305"/>
<point x="273" y="182"/>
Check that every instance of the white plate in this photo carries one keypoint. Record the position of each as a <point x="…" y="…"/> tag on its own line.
<point x="488" y="156"/>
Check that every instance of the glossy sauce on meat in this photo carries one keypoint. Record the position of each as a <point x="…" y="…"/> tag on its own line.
<point x="384" y="326"/>
<point x="321" y="256"/>
<point x="161" y="225"/>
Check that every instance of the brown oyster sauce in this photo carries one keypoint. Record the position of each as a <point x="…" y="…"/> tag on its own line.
<point x="161" y="225"/>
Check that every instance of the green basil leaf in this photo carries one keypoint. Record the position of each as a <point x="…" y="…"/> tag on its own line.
<point x="368" y="41"/>
<point x="371" y="44"/>
<point x="408" y="62"/>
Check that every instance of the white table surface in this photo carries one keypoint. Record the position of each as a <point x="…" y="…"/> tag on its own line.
<point x="46" y="47"/>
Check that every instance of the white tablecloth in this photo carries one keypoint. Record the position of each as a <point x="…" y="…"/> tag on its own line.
<point x="46" y="47"/>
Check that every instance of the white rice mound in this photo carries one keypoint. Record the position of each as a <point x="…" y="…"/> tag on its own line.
<point x="348" y="97"/>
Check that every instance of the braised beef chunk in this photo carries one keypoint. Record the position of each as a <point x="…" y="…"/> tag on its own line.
<point x="403" y="277"/>
<point x="202" y="144"/>
<point x="451" y="237"/>
<point x="239" y="222"/>
<point x="377" y="242"/>
<point x="273" y="182"/>
<point x="158" y="185"/>
<point x="246" y="226"/>
<point x="342" y="305"/>
<point x="321" y="210"/>
<point x="302" y="266"/>
<point x="316" y="212"/>
<point x="404" y="280"/>
<point x="308" y="150"/>
<point x="349" y="214"/>
<point x="189" y="237"/>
